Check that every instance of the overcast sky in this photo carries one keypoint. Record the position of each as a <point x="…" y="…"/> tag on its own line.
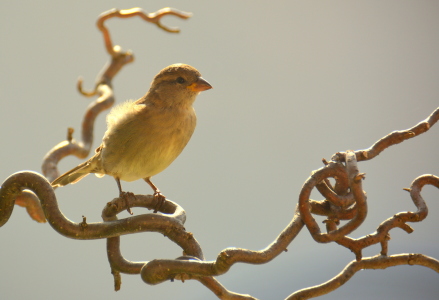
<point x="294" y="82"/>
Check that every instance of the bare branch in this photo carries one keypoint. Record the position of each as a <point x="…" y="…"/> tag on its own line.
<point x="170" y="225"/>
<point x="376" y="262"/>
<point x="332" y="170"/>
<point x="220" y="291"/>
<point x="344" y="200"/>
<point x="381" y="235"/>
<point x="32" y="203"/>
<point x="82" y="148"/>
<point x="157" y="271"/>
<point x="392" y="138"/>
<point x="177" y="234"/>
<point x="136" y="11"/>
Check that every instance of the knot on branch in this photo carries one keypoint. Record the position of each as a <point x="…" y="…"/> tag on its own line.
<point x="347" y="201"/>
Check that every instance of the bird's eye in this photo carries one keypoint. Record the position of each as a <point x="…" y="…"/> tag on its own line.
<point x="181" y="80"/>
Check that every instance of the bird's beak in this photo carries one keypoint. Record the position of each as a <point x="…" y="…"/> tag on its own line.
<point x="199" y="85"/>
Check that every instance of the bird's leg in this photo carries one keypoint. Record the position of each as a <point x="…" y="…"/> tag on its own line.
<point x="157" y="194"/>
<point x="124" y="195"/>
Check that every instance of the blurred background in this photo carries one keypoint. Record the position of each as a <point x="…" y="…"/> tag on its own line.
<point x="294" y="82"/>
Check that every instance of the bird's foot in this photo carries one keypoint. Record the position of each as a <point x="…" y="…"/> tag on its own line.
<point x="125" y="196"/>
<point x="160" y="200"/>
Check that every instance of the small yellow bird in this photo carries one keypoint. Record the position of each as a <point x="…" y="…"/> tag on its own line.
<point x="144" y="137"/>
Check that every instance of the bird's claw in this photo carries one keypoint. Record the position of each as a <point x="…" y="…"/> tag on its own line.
<point x="160" y="200"/>
<point x="125" y="195"/>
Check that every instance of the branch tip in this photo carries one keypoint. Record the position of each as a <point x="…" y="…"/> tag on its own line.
<point x="70" y="132"/>
<point x="82" y="91"/>
<point x="365" y="154"/>
<point x="359" y="177"/>
<point x="84" y="224"/>
<point x="136" y="11"/>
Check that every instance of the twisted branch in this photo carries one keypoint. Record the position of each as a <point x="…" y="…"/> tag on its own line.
<point x="160" y="270"/>
<point x="331" y="170"/>
<point x="376" y="262"/>
<point x="392" y="138"/>
<point x="170" y="225"/>
<point x="70" y="146"/>
<point x="32" y="204"/>
<point x="154" y="18"/>
<point x="344" y="201"/>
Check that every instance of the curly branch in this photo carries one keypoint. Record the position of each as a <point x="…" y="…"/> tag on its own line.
<point x="332" y="170"/>
<point x="220" y="291"/>
<point x="120" y="58"/>
<point x="392" y="138"/>
<point x="381" y="235"/>
<point x="32" y="204"/>
<point x="376" y="262"/>
<point x="160" y="270"/>
<point x="334" y="206"/>
<point x="170" y="225"/>
<point x="345" y="200"/>
<point x="179" y="236"/>
<point x="82" y="148"/>
<point x="136" y="11"/>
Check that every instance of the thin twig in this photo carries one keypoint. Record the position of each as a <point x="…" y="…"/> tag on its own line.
<point x="392" y="138"/>
<point x="154" y="18"/>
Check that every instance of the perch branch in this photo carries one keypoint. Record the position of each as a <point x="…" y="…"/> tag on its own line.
<point x="170" y="225"/>
<point x="178" y="235"/>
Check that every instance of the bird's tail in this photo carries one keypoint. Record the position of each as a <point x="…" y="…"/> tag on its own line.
<point x="74" y="175"/>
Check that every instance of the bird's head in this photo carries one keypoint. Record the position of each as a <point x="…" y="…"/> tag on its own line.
<point x="177" y="84"/>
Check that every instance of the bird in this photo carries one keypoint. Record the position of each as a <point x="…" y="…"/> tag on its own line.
<point x="144" y="137"/>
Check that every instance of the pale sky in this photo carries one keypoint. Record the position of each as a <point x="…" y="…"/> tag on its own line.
<point x="294" y="82"/>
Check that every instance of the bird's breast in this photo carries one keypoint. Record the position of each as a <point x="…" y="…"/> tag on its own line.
<point x="146" y="144"/>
